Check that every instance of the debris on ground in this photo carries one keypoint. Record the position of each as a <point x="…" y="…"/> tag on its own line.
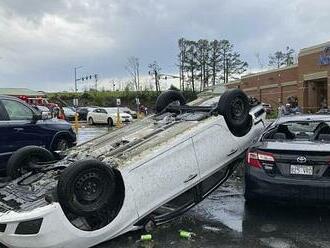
<point x="186" y="234"/>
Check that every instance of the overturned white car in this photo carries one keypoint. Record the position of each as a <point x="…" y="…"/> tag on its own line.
<point x="148" y="172"/>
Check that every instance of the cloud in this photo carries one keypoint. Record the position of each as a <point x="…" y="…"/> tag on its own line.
<point x="41" y="41"/>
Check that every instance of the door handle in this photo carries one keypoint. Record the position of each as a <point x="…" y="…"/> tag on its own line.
<point x="18" y="129"/>
<point x="191" y="177"/>
<point x="232" y="151"/>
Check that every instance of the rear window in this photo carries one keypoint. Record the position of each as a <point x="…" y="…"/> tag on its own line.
<point x="308" y="127"/>
<point x="301" y="130"/>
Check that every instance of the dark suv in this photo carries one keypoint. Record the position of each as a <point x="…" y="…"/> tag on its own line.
<point x="21" y="125"/>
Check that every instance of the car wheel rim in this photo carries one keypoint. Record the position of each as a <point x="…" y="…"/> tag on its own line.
<point x="237" y="108"/>
<point x="89" y="187"/>
<point x="62" y="145"/>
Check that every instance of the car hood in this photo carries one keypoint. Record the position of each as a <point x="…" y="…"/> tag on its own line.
<point x="125" y="115"/>
<point x="294" y="146"/>
<point x="54" y="122"/>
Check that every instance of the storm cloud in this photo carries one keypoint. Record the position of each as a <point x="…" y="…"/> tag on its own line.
<point x="41" y="41"/>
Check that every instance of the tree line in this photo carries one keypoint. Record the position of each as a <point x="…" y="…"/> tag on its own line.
<point x="203" y="63"/>
<point x="282" y="58"/>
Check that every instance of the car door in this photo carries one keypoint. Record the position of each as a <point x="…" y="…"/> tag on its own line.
<point x="103" y="115"/>
<point x="96" y="115"/>
<point x="214" y="146"/>
<point x="18" y="129"/>
<point x="163" y="177"/>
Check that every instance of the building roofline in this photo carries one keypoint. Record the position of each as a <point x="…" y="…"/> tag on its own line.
<point x="270" y="71"/>
<point x="313" y="49"/>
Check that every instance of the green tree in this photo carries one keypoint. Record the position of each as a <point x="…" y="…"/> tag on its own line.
<point x="230" y="62"/>
<point x="191" y="64"/>
<point x="214" y="60"/>
<point x="280" y="58"/>
<point x="182" y="57"/>
<point x="202" y="52"/>
<point x="288" y="56"/>
<point x="276" y="59"/>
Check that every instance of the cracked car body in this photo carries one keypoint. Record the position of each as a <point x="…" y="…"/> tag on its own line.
<point x="157" y="159"/>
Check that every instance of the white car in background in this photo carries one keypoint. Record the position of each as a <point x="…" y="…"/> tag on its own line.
<point x="107" y="116"/>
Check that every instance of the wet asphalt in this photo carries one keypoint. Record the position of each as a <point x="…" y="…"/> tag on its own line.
<point x="224" y="220"/>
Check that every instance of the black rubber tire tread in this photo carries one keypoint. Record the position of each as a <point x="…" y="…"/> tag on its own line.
<point x="66" y="184"/>
<point x="110" y="122"/>
<point x="90" y="121"/>
<point x="167" y="97"/>
<point x="21" y="156"/>
<point x="238" y="127"/>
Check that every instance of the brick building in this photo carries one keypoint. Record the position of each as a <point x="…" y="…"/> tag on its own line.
<point x="309" y="80"/>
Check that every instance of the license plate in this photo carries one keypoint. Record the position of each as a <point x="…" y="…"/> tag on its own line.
<point x="301" y="170"/>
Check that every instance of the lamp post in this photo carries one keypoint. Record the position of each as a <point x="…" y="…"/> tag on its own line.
<point x="75" y="78"/>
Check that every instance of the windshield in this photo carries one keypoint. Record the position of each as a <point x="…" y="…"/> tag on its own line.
<point x="301" y="130"/>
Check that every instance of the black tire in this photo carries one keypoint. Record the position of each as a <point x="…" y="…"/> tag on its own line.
<point x="110" y="122"/>
<point x="22" y="160"/>
<point x="168" y="97"/>
<point x="90" y="121"/>
<point x="86" y="187"/>
<point x="234" y="106"/>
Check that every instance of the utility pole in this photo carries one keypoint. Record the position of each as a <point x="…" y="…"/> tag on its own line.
<point x="95" y="82"/>
<point x="154" y="70"/>
<point x="75" y="78"/>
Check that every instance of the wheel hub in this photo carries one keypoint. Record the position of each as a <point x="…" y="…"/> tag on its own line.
<point x="89" y="186"/>
<point x="237" y="108"/>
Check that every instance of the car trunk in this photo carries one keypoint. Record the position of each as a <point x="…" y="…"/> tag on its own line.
<point x="297" y="159"/>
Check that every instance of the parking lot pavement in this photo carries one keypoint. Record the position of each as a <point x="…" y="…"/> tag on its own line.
<point x="224" y="220"/>
<point x="87" y="132"/>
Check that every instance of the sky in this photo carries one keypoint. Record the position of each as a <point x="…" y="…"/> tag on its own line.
<point x="41" y="41"/>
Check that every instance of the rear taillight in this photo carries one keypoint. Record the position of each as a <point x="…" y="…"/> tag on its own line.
<point x="255" y="158"/>
<point x="252" y="159"/>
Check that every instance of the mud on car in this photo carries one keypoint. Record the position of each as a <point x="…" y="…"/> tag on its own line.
<point x="143" y="174"/>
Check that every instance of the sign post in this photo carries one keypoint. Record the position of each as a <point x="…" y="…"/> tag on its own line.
<point x="118" y="121"/>
<point x="137" y="101"/>
<point x="76" y="121"/>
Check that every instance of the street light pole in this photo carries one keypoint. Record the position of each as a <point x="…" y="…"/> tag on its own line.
<point x="75" y="78"/>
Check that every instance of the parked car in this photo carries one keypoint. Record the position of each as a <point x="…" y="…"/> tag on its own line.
<point x="290" y="161"/>
<point x="83" y="111"/>
<point x="106" y="116"/>
<point x="21" y="125"/>
<point x="69" y="113"/>
<point x="268" y="108"/>
<point x="127" y="110"/>
<point x="148" y="172"/>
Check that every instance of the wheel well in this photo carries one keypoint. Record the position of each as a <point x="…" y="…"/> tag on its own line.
<point x="110" y="118"/>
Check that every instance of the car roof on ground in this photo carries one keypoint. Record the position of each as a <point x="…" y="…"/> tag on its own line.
<point x="307" y="117"/>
